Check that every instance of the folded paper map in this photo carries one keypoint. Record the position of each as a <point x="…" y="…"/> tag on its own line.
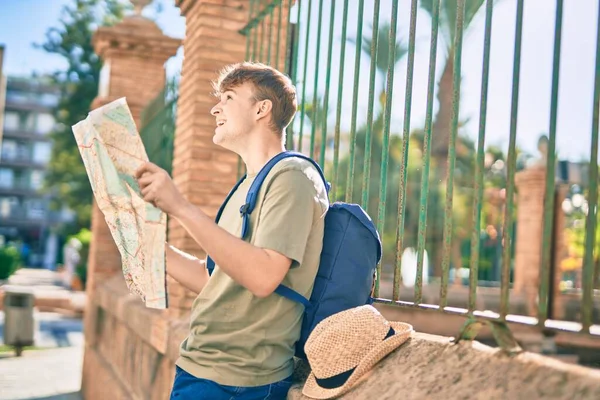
<point x="112" y="150"/>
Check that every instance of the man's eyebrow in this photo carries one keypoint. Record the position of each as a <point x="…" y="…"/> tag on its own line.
<point x="230" y="90"/>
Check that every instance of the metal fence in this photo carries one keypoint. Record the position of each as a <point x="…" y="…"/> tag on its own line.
<point x="374" y="166"/>
<point x="158" y="126"/>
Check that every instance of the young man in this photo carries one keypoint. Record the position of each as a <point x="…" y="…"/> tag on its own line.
<point x="242" y="334"/>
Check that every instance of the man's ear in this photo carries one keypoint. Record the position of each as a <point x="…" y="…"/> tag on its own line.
<point x="264" y="108"/>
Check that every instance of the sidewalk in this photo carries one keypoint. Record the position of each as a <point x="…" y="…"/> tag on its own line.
<point x="53" y="374"/>
<point x="52" y="370"/>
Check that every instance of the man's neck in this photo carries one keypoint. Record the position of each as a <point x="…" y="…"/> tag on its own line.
<point x="259" y="152"/>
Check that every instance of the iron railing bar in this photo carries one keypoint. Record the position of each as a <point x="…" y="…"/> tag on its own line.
<point x="277" y="45"/>
<point x="548" y="220"/>
<point x="405" y="145"/>
<point x="338" y="113"/>
<point x="262" y="37"/>
<point x="371" y="104"/>
<point x="511" y="165"/>
<point x="165" y="109"/>
<point x="479" y="166"/>
<point x="270" y="35"/>
<point x="327" y="87"/>
<point x="553" y="325"/>
<point x="288" y="39"/>
<point x="303" y="105"/>
<point x="293" y="50"/>
<point x="587" y="306"/>
<point x="422" y="231"/>
<point x="155" y="106"/>
<point x="386" y="130"/>
<point x="258" y="18"/>
<point x="296" y="44"/>
<point x="447" y="235"/>
<point x="249" y="37"/>
<point x="359" y="29"/>
<point x="255" y="29"/>
<point x="315" y="105"/>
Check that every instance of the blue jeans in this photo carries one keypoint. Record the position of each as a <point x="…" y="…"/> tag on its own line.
<point x="188" y="387"/>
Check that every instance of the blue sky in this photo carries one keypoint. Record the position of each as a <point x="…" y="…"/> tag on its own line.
<point x="24" y="22"/>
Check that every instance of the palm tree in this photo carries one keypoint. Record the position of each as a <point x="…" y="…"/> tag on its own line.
<point x="382" y="55"/>
<point x="315" y="116"/>
<point x="443" y="118"/>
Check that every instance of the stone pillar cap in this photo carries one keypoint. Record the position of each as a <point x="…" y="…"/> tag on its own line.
<point x="531" y="176"/>
<point x="135" y="34"/>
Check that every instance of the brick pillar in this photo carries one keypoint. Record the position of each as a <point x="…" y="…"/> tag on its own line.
<point x="134" y="52"/>
<point x="530" y="215"/>
<point x="560" y="250"/>
<point x="204" y="172"/>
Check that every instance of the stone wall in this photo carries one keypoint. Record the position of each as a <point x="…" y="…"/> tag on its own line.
<point x="431" y="367"/>
<point x="125" y="343"/>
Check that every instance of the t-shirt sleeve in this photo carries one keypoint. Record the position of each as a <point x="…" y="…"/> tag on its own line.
<point x="287" y="214"/>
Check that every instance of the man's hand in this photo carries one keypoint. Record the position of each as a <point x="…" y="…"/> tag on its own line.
<point x="158" y="188"/>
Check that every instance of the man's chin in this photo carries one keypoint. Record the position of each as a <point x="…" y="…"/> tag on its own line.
<point x="221" y="140"/>
<point x="218" y="139"/>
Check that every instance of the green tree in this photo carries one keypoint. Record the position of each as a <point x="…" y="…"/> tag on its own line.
<point x="576" y="236"/>
<point x="9" y="261"/>
<point x="314" y="114"/>
<point x="71" y="39"/>
<point x="383" y="55"/>
<point x="85" y="238"/>
<point x="443" y="118"/>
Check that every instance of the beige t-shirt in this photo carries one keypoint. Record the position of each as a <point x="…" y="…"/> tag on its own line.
<point x="236" y="338"/>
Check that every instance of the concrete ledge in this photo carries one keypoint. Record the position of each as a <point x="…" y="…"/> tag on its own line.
<point x="426" y="367"/>
<point x="52" y="299"/>
<point x="178" y="331"/>
<point x="430" y="367"/>
<point x="126" y="344"/>
<point x="103" y="382"/>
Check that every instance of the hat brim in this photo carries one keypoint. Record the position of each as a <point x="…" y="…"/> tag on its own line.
<point x="403" y="333"/>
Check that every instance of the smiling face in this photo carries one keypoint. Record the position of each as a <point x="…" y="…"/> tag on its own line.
<point x="254" y="100"/>
<point x="235" y="115"/>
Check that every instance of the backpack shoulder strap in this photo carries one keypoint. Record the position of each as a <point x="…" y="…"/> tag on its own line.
<point x="292" y="295"/>
<point x="252" y="195"/>
<point x="210" y="264"/>
<point x="248" y="207"/>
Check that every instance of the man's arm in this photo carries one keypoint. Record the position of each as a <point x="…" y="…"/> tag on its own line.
<point x="258" y="269"/>
<point x="186" y="269"/>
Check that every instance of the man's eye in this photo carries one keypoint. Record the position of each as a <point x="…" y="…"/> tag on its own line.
<point x="229" y="98"/>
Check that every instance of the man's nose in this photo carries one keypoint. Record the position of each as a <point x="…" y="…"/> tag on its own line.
<point x="215" y="110"/>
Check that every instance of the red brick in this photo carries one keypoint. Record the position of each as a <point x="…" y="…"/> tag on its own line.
<point x="123" y="325"/>
<point x="530" y="187"/>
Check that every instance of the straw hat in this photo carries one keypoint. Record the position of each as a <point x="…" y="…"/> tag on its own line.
<point x="344" y="347"/>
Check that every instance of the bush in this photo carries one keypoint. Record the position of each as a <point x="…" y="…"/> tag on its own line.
<point x="85" y="237"/>
<point x="9" y="261"/>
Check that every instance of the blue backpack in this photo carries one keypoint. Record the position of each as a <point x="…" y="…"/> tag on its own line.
<point x="351" y="252"/>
